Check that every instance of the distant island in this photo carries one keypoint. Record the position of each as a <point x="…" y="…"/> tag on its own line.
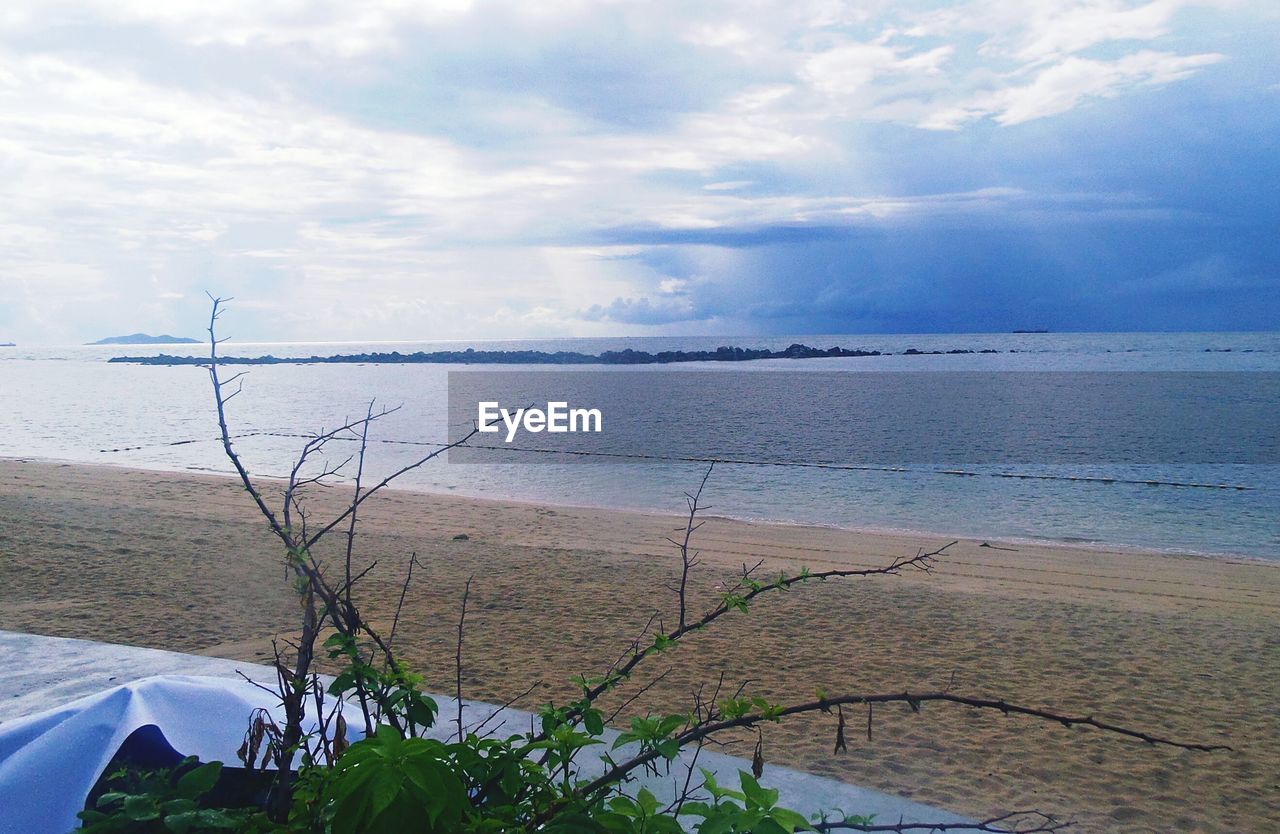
<point x="144" y="339"/>
<point x="539" y="357"/>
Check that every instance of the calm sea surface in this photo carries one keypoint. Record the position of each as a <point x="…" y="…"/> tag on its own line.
<point x="68" y="403"/>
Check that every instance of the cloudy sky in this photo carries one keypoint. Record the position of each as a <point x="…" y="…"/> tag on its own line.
<point x="470" y="169"/>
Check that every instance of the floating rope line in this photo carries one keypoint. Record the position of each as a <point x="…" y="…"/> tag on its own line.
<point x="188" y="442"/>
<point x="794" y="464"/>
<point x="851" y="467"/>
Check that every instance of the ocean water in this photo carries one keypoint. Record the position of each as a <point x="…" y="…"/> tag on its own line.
<point x="69" y="403"/>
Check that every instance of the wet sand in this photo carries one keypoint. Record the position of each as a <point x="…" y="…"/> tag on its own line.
<point x="1178" y="645"/>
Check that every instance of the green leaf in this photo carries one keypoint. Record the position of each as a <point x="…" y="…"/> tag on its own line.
<point x="720" y="823"/>
<point x="111" y="798"/>
<point x="788" y="819"/>
<point x="343" y="682"/>
<point x="614" y="822"/>
<point x="200" y="781"/>
<point x="202" y="820"/>
<point x="623" y="805"/>
<point x="647" y="801"/>
<point x="665" y="825"/>
<point x="670" y="724"/>
<point x="422" y="710"/>
<point x="177" y="806"/>
<point x="140" y="808"/>
<point x="383" y="789"/>
<point x="697" y="809"/>
<point x="756" y="796"/>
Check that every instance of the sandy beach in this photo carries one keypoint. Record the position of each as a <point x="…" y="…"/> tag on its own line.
<point x="1179" y="645"/>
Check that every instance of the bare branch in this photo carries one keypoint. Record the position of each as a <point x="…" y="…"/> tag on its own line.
<point x="503" y="707"/>
<point x="355" y="505"/>
<point x="462" y="619"/>
<point x="404" y="589"/>
<point x="638" y="693"/>
<point x="276" y="527"/>
<point x="921" y="561"/>
<point x="351" y="528"/>
<point x="913" y="700"/>
<point x="686" y="560"/>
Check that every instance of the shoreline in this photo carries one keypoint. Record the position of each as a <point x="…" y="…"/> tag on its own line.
<point x="887" y="532"/>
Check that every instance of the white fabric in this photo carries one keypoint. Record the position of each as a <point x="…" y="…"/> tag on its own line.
<point x="50" y="761"/>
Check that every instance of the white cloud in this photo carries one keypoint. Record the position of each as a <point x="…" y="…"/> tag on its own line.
<point x="333" y="28"/>
<point x="1065" y="85"/>
<point x="234" y="141"/>
<point x="1072" y="28"/>
<point x="1060" y="88"/>
<point x="1046" y="30"/>
<point x="849" y="68"/>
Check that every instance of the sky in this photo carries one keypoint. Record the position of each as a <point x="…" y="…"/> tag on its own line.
<point x="464" y="169"/>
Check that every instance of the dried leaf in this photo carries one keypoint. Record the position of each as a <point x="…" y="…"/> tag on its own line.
<point x="248" y="752"/>
<point x="340" y="743"/>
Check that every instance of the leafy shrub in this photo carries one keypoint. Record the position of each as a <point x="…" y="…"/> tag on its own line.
<point x="168" y="801"/>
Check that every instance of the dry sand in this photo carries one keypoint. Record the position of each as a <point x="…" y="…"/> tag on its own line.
<point x="1184" y="646"/>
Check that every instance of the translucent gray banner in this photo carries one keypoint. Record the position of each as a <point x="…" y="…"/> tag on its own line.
<point x="850" y="418"/>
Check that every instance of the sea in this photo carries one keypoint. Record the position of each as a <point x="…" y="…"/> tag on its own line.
<point x="68" y="403"/>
